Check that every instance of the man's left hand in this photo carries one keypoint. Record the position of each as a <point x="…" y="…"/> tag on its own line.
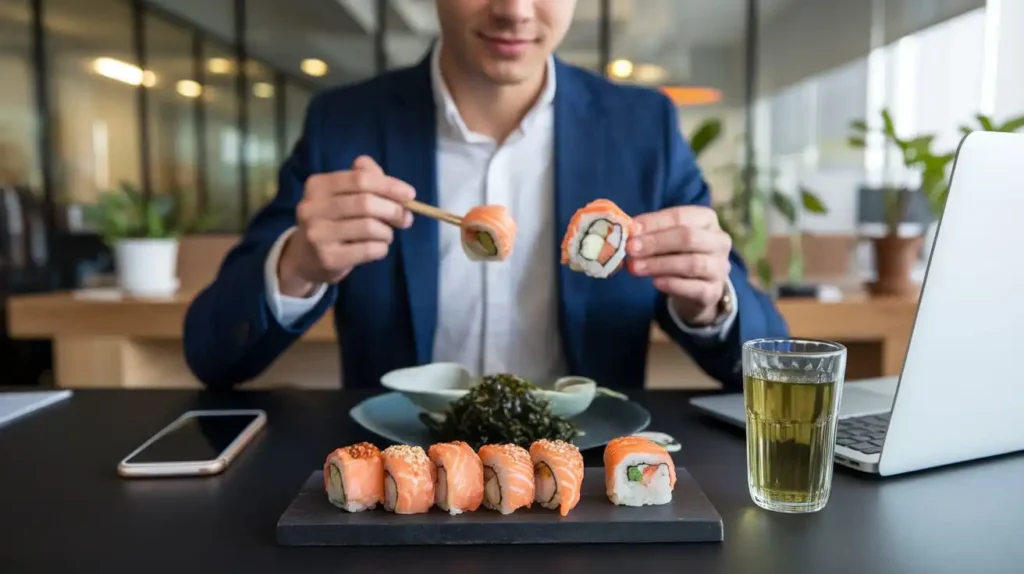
<point x="686" y="252"/>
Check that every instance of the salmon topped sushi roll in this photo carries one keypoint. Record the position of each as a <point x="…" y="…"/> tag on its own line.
<point x="638" y="472"/>
<point x="459" y="484"/>
<point x="558" y="474"/>
<point x="488" y="233"/>
<point x="508" y="477"/>
<point x="354" y="477"/>
<point x="595" y="242"/>
<point x="408" y="480"/>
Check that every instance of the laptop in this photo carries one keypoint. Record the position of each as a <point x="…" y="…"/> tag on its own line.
<point x="959" y="396"/>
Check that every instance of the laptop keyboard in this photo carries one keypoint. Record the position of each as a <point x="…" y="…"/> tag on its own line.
<point x="864" y="434"/>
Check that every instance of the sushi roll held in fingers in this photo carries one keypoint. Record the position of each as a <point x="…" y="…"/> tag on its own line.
<point x="459" y="484"/>
<point x="595" y="242"/>
<point x="508" y="477"/>
<point x="408" y="480"/>
<point x="558" y="474"/>
<point x="354" y="477"/>
<point x="488" y="233"/>
<point x="638" y="472"/>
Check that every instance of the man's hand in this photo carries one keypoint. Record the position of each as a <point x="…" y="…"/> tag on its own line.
<point x="345" y="219"/>
<point x="687" y="254"/>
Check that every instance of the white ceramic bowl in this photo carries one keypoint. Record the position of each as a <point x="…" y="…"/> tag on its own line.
<point x="433" y="387"/>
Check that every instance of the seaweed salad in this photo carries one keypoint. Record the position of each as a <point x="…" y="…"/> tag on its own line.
<point x="501" y="409"/>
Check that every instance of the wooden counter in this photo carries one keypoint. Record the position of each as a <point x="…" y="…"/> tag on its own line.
<point x="110" y="341"/>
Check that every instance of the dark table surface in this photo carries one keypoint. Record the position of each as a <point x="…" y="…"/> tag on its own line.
<point x="64" y="509"/>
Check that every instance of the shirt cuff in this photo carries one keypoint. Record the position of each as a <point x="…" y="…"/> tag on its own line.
<point x="287" y="310"/>
<point x="719" y="329"/>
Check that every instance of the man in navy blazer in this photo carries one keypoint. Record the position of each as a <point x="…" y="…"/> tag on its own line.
<point x="490" y="116"/>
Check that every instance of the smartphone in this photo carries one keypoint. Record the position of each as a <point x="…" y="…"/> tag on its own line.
<point x="196" y="443"/>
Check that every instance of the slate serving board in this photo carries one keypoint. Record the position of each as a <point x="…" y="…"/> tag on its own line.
<point x="311" y="520"/>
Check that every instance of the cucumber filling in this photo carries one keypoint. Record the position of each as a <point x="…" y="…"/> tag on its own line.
<point x="634" y="474"/>
<point x="390" y="492"/>
<point x="337" y="484"/>
<point x="492" y="489"/>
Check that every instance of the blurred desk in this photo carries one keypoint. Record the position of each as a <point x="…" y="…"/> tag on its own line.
<point x="122" y="342"/>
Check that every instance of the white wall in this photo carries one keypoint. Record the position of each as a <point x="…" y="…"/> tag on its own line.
<point x="933" y="80"/>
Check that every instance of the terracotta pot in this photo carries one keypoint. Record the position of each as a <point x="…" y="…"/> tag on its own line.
<point x="894" y="260"/>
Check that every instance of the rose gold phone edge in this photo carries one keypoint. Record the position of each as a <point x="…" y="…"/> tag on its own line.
<point x="195" y="467"/>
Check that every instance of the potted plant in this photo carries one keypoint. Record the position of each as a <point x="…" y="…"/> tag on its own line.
<point x="744" y="216"/>
<point x="143" y="232"/>
<point x="894" y="252"/>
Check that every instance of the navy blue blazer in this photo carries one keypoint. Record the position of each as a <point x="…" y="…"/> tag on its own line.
<point x="616" y="142"/>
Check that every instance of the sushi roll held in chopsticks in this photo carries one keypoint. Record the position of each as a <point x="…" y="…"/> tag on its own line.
<point x="408" y="480"/>
<point x="558" y="474"/>
<point x="488" y="233"/>
<point x="354" y="477"/>
<point x="508" y="477"/>
<point x="459" y="486"/>
<point x="595" y="242"/>
<point x="638" y="472"/>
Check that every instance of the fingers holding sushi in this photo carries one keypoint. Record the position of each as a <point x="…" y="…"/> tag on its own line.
<point x="686" y="253"/>
<point x="409" y="478"/>
<point x="353" y="477"/>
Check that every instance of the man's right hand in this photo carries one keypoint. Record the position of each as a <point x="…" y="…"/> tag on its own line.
<point x="345" y="219"/>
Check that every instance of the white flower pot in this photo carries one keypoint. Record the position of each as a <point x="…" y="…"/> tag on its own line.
<point x="147" y="267"/>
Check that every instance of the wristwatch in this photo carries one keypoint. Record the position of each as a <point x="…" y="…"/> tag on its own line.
<point x="725" y="305"/>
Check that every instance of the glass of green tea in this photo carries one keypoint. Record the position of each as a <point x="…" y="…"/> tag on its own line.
<point x="791" y="389"/>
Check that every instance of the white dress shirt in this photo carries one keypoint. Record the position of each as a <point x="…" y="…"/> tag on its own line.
<point x="496" y="316"/>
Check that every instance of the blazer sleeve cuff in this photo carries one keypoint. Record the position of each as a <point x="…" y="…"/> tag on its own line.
<point x="717" y="331"/>
<point x="287" y="310"/>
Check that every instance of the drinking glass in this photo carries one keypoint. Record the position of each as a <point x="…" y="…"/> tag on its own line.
<point x="791" y="389"/>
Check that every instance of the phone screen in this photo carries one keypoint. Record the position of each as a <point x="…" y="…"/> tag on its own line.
<point x="197" y="438"/>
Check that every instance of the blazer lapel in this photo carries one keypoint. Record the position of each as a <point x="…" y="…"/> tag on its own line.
<point x="580" y="141"/>
<point x="410" y="154"/>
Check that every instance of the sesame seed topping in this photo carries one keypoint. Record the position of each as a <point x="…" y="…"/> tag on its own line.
<point x="557" y="446"/>
<point x="362" y="450"/>
<point x="408" y="454"/>
<point x="518" y="454"/>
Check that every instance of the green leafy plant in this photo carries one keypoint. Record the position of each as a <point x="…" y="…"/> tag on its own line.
<point x="917" y="155"/>
<point x="744" y="216"/>
<point x="1011" y="125"/>
<point x="126" y="213"/>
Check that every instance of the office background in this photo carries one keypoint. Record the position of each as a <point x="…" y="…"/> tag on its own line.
<point x="204" y="99"/>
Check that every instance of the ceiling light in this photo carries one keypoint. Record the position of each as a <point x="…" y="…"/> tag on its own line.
<point x="620" y="68"/>
<point x="692" y="95"/>
<point x="189" y="88"/>
<point x="124" y="72"/>
<point x="262" y="90"/>
<point x="314" y="67"/>
<point x="649" y="74"/>
<point x="219" y="66"/>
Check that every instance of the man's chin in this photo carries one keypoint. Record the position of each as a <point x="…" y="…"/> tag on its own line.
<point x="509" y="74"/>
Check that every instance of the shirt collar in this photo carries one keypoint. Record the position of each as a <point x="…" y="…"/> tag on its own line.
<point x="449" y="113"/>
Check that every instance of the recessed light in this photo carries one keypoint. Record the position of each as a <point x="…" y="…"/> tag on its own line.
<point x="314" y="67"/>
<point x="263" y="90"/>
<point x="620" y="68"/>
<point x="219" y="66"/>
<point x="189" y="88"/>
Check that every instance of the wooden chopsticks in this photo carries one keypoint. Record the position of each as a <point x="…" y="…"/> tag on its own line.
<point x="433" y="212"/>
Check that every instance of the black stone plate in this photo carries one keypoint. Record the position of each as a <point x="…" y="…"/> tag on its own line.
<point x="311" y="520"/>
<point x="396" y="418"/>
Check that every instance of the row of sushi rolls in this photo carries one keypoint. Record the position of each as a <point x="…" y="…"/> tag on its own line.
<point x="452" y="476"/>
